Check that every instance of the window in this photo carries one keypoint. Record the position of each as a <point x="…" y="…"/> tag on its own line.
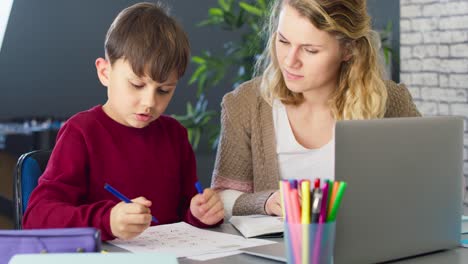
<point x="5" y="10"/>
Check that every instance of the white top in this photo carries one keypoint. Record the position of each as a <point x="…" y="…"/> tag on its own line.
<point x="296" y="161"/>
<point x="229" y="197"/>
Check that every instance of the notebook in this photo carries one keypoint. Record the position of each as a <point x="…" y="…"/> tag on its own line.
<point x="404" y="195"/>
<point x="258" y="225"/>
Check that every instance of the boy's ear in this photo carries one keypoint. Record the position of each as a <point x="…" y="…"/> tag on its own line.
<point x="102" y="68"/>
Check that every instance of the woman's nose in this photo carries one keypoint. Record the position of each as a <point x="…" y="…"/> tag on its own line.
<point x="291" y="58"/>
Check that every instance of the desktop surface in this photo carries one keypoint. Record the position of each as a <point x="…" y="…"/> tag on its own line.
<point x="454" y="256"/>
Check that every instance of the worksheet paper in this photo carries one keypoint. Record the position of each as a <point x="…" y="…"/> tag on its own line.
<point x="185" y="240"/>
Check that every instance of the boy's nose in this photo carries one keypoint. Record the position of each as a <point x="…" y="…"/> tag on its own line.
<point x="148" y="101"/>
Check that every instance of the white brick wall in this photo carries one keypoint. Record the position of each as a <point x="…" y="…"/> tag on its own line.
<point x="434" y="57"/>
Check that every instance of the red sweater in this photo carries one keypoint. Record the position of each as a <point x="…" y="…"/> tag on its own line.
<point x="156" y="162"/>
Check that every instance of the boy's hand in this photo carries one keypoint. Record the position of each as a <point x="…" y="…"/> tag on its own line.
<point x="207" y="207"/>
<point x="273" y="204"/>
<point x="128" y="220"/>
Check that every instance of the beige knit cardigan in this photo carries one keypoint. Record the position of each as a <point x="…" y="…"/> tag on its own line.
<point x="246" y="158"/>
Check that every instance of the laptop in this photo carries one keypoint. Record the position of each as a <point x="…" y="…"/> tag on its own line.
<point x="404" y="195"/>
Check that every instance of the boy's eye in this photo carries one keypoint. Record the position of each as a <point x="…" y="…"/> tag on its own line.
<point x="138" y="86"/>
<point x="162" y="91"/>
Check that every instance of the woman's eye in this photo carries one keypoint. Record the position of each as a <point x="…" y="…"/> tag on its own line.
<point x="311" y="51"/>
<point x="283" y="41"/>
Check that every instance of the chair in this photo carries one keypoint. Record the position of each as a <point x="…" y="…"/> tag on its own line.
<point x="7" y="165"/>
<point x="29" y="167"/>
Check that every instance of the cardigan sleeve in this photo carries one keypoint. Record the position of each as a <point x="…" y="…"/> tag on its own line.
<point x="400" y="102"/>
<point x="234" y="162"/>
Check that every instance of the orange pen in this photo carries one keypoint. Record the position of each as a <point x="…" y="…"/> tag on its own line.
<point x="336" y="185"/>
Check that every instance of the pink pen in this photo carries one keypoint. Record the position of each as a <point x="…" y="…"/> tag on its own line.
<point x="291" y="202"/>
<point x="296" y="233"/>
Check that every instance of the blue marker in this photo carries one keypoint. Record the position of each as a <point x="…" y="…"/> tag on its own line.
<point x="122" y="197"/>
<point x="199" y="188"/>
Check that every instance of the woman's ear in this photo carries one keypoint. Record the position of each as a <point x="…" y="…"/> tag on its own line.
<point x="102" y="68"/>
<point x="348" y="51"/>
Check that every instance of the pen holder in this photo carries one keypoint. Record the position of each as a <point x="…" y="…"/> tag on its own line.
<point x="309" y="243"/>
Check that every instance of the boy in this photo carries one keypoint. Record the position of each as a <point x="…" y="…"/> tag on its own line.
<point x="127" y="142"/>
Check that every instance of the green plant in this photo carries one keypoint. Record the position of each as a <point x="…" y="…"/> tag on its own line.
<point x="197" y="119"/>
<point x="386" y="42"/>
<point x="238" y="57"/>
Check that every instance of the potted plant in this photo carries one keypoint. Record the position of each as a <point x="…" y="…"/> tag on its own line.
<point x="238" y="56"/>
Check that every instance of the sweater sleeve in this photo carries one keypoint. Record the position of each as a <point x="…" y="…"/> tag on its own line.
<point x="234" y="163"/>
<point x="400" y="102"/>
<point x="58" y="200"/>
<point x="189" y="178"/>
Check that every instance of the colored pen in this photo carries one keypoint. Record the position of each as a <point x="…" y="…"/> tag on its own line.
<point x="316" y="206"/>
<point x="336" y="204"/>
<point x="296" y="209"/>
<point x="305" y="188"/>
<point x="287" y="201"/>
<point x="290" y="218"/>
<point x="295" y="205"/>
<point x="305" y="219"/>
<point x="336" y="185"/>
<point x="293" y="184"/>
<point x="330" y="191"/>
<point x="316" y="185"/>
<point x="199" y="188"/>
<point x="323" y="209"/>
<point x="122" y="197"/>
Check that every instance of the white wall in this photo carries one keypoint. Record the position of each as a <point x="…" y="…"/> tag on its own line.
<point x="434" y="57"/>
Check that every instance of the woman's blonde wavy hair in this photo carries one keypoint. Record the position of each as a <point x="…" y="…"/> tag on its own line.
<point x="361" y="92"/>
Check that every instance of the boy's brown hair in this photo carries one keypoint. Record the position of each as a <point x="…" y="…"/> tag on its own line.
<point x="152" y="42"/>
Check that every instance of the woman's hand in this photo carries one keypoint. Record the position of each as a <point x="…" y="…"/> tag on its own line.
<point x="273" y="204"/>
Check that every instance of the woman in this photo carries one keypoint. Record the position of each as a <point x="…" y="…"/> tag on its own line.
<point x="320" y="66"/>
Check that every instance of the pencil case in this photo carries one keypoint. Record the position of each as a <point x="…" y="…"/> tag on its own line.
<point x="55" y="240"/>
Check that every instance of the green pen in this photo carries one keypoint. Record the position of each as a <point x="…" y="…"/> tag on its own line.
<point x="337" y="202"/>
<point x="329" y="201"/>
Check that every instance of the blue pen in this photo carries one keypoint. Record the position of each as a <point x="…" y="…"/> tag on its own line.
<point x="122" y="197"/>
<point x="199" y="188"/>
